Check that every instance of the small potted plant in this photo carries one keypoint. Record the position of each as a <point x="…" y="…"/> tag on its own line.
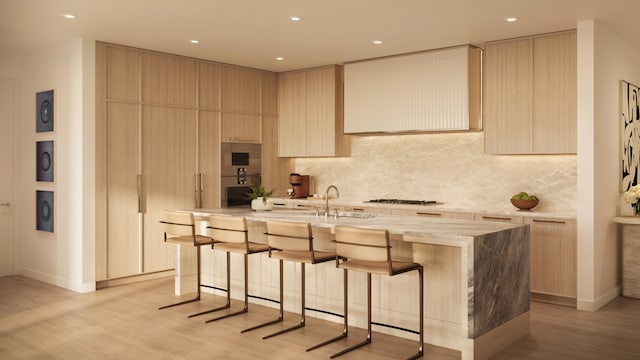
<point x="259" y="197"/>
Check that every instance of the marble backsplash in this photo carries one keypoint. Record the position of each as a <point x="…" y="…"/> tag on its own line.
<point x="448" y="167"/>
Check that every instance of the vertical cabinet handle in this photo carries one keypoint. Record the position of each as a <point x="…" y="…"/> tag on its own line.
<point x="200" y="190"/>
<point x="139" y="181"/>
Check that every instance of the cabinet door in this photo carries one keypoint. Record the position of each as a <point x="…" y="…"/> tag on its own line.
<point x="241" y="90"/>
<point x="321" y="112"/>
<point x="168" y="171"/>
<point x="241" y="128"/>
<point x="209" y="86"/>
<point x="123" y="219"/>
<point x="292" y="100"/>
<point x="553" y="257"/>
<point x="275" y="170"/>
<point x="209" y="158"/>
<point x="168" y="80"/>
<point x="123" y="73"/>
<point x="507" y="98"/>
<point x="554" y="94"/>
<point x="499" y="218"/>
<point x="433" y="213"/>
<point x="270" y="93"/>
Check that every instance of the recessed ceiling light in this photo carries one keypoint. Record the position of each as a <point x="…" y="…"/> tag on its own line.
<point x="279" y="58"/>
<point x="194" y="41"/>
<point x="377" y="42"/>
<point x="295" y="18"/>
<point x="69" y="16"/>
<point x="511" y="19"/>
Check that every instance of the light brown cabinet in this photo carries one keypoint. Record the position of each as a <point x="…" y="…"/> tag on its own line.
<point x="499" y="218"/>
<point x="553" y="257"/>
<point x="160" y="120"/>
<point x="311" y="113"/>
<point x="433" y="213"/>
<point x="530" y="91"/>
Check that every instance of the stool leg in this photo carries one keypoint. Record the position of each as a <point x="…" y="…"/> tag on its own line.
<point x="246" y="290"/>
<point x="228" y="303"/>
<point x="368" y="339"/>
<point x="197" y="298"/>
<point x="281" y="315"/>
<point x="345" y="328"/>
<point x="302" y="314"/>
<point x="421" y="287"/>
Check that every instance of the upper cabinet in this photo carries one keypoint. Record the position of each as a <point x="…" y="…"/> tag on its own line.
<point x="436" y="90"/>
<point x="311" y="113"/>
<point x="530" y="95"/>
<point x="241" y="90"/>
<point x="168" y="80"/>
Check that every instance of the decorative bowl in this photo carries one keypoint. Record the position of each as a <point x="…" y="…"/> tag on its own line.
<point x="524" y="204"/>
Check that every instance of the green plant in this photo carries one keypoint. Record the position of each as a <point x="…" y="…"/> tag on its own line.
<point x="259" y="192"/>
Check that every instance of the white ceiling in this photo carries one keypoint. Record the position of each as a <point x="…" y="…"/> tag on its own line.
<point x="254" y="32"/>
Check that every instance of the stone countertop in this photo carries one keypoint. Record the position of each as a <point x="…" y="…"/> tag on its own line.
<point x="335" y="202"/>
<point x="442" y="229"/>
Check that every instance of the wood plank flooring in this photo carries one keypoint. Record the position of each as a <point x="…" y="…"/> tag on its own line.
<point x="41" y="321"/>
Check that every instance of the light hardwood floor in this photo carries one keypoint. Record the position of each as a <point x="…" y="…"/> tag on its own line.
<point x="41" y="321"/>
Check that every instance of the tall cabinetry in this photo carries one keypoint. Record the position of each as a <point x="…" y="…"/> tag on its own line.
<point x="160" y="120"/>
<point x="311" y="113"/>
<point x="530" y="92"/>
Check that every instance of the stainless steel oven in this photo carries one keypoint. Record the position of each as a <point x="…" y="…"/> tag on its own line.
<point x="241" y="166"/>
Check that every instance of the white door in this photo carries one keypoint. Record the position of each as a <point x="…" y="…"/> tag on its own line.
<point x="8" y="101"/>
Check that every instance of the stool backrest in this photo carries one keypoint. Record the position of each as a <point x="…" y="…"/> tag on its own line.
<point x="227" y="228"/>
<point x="177" y="223"/>
<point x="289" y="235"/>
<point x="363" y="244"/>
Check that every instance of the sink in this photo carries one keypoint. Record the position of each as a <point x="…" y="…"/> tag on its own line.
<point x="357" y="215"/>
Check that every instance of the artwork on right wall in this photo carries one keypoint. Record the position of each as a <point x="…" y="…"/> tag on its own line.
<point x="630" y="135"/>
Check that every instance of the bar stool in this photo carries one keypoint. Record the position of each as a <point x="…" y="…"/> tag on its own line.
<point x="179" y="229"/>
<point x="230" y="234"/>
<point x="369" y="250"/>
<point x="293" y="241"/>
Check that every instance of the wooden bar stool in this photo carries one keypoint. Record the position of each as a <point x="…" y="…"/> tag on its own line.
<point x="230" y="234"/>
<point x="293" y="241"/>
<point x="179" y="229"/>
<point x="369" y="250"/>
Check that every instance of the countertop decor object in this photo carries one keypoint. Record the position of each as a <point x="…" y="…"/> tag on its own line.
<point x="524" y="201"/>
<point x="524" y="204"/>
<point x="259" y="197"/>
<point x="631" y="197"/>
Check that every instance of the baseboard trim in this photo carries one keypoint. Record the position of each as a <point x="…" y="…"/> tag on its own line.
<point x="554" y="299"/>
<point x="133" y="279"/>
<point x="589" y="305"/>
<point x="58" y="281"/>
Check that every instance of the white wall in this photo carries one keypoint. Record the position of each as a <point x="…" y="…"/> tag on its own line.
<point x="64" y="258"/>
<point x="604" y="60"/>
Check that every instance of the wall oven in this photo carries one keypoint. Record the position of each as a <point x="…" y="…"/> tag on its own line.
<point x="241" y="166"/>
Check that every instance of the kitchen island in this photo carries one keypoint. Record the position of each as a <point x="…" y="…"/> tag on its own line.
<point x="476" y="277"/>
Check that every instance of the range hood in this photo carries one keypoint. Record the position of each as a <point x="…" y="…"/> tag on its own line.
<point x="436" y="90"/>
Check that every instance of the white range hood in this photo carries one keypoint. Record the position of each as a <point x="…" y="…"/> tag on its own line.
<point x="437" y="90"/>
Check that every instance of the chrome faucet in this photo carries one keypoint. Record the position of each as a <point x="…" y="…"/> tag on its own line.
<point x="326" y="195"/>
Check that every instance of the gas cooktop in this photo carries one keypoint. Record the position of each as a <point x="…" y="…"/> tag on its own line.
<point x="401" y="201"/>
